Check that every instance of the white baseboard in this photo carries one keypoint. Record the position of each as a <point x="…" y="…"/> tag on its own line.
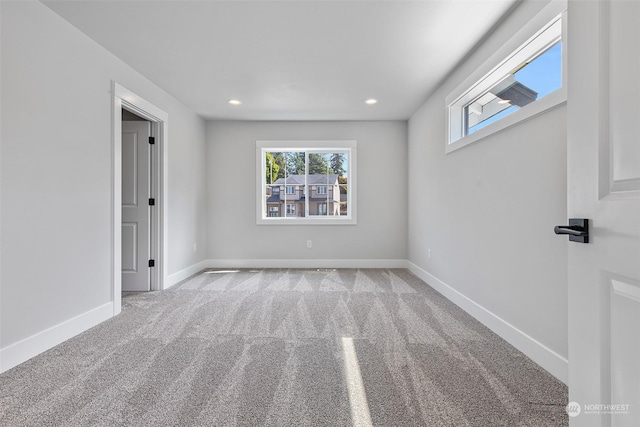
<point x="551" y="361"/>
<point x="306" y="263"/>
<point x="29" y="347"/>
<point x="174" y="278"/>
<point x="554" y="363"/>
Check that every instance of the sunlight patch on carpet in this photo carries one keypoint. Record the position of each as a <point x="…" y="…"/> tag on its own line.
<point x="360" y="415"/>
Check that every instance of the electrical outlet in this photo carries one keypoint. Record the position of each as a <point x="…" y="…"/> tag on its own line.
<point x="309" y="244"/>
<point x="429" y="253"/>
<point x="195" y="247"/>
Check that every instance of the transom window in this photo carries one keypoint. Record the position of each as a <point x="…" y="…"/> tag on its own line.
<point x="532" y="80"/>
<point x="306" y="182"/>
<point x="526" y="81"/>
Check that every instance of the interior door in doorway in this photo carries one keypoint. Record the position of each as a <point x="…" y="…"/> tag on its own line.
<point x="136" y="236"/>
<point x="604" y="186"/>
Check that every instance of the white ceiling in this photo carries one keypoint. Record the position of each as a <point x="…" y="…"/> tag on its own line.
<point x="290" y="60"/>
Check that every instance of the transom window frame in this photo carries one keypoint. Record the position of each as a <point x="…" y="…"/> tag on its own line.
<point x="512" y="54"/>
<point x="328" y="146"/>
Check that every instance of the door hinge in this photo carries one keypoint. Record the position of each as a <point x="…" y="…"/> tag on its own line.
<point x="152" y="140"/>
<point x="152" y="202"/>
<point x="152" y="263"/>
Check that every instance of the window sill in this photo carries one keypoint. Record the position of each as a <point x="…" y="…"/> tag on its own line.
<point x="306" y="221"/>
<point x="527" y="112"/>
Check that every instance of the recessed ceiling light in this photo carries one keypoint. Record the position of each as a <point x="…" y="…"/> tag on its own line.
<point x="504" y="101"/>
<point x="234" y="102"/>
<point x="371" y="101"/>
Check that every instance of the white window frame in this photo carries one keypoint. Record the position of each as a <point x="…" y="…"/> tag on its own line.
<point x="348" y="146"/>
<point x="290" y="193"/>
<point x="323" y="188"/>
<point x="517" y="50"/>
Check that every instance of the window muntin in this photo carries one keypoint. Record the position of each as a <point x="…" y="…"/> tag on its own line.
<point x="311" y="183"/>
<point x="536" y="65"/>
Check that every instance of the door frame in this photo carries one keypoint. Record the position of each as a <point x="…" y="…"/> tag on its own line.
<point x="128" y="100"/>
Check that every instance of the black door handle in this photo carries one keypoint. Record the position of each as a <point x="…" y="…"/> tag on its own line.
<point x="578" y="230"/>
<point x="572" y="230"/>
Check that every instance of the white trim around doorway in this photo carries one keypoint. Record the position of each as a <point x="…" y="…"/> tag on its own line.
<point x="124" y="98"/>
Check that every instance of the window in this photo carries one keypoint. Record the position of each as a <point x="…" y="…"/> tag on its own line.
<point x="525" y="82"/>
<point x="533" y="80"/>
<point x="318" y="178"/>
<point x="274" y="211"/>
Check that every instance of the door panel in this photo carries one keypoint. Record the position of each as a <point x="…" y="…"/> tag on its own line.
<point x="129" y="247"/>
<point x="624" y="68"/>
<point x="625" y="350"/>
<point x="604" y="186"/>
<point x="135" y="210"/>
<point x="129" y="168"/>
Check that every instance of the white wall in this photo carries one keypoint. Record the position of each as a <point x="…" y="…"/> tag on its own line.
<point x="56" y="178"/>
<point x="380" y="233"/>
<point x="487" y="213"/>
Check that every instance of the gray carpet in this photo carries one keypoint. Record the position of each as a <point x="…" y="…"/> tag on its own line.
<point x="285" y="348"/>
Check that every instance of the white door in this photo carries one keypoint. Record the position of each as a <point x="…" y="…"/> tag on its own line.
<point x="136" y="243"/>
<point x="604" y="186"/>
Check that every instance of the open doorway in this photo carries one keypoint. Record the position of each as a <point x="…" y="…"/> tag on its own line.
<point x="138" y="202"/>
<point x="144" y="250"/>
